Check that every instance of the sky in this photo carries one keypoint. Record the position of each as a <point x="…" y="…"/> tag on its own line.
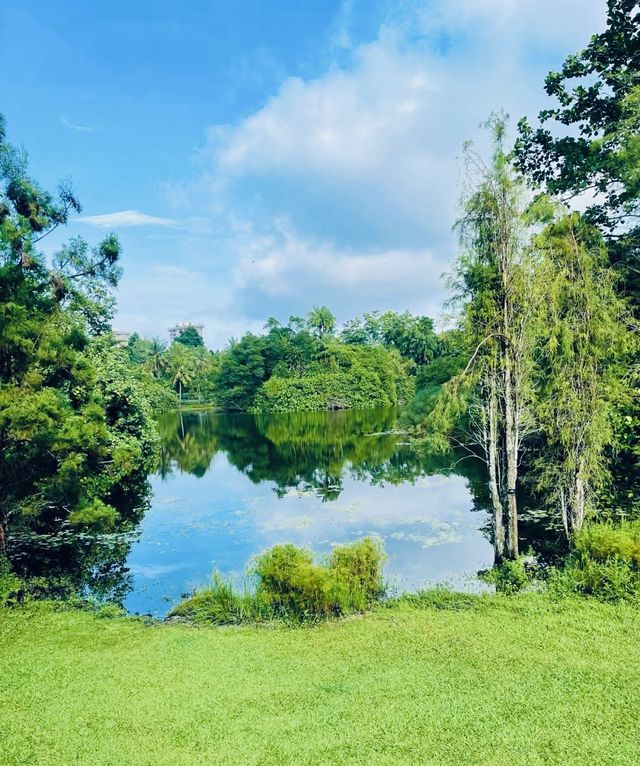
<point x="257" y="158"/>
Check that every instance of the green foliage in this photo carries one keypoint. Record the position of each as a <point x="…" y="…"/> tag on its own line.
<point x="583" y="342"/>
<point x="412" y="336"/>
<point x="190" y="337"/>
<point x="589" y="141"/>
<point x="9" y="583"/>
<point x="291" y="586"/>
<point x="603" y="542"/>
<point x="359" y="377"/>
<point x="76" y="433"/>
<point x="293" y="367"/>
<point x="242" y="372"/>
<point x="359" y="566"/>
<point x="321" y="321"/>
<point x="221" y="604"/>
<point x="510" y="576"/>
<point x="604" y="563"/>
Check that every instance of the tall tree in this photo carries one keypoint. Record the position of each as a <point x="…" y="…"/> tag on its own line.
<point x="494" y="277"/>
<point x="67" y="436"/>
<point x="190" y="337"/>
<point x="583" y="344"/>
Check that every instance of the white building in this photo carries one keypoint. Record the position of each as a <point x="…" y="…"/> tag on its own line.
<point x="181" y="326"/>
<point x="121" y="337"/>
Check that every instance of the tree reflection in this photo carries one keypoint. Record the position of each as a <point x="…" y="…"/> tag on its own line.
<point x="306" y="451"/>
<point x="81" y="562"/>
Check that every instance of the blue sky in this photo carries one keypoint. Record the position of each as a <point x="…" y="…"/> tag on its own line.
<point x="256" y="157"/>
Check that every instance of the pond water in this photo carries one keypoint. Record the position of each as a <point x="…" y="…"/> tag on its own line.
<point x="229" y="486"/>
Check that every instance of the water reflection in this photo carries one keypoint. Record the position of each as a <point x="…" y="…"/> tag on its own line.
<point x="309" y="451"/>
<point x="230" y="485"/>
<point x="68" y="561"/>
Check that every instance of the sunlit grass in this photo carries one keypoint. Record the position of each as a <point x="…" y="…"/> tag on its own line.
<point x="437" y="680"/>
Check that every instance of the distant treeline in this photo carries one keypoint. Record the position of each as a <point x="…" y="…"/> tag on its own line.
<point x="306" y="364"/>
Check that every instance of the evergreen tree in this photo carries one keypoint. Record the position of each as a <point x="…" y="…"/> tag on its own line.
<point x="580" y="375"/>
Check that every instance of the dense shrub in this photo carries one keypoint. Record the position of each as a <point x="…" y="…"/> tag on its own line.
<point x="355" y="377"/>
<point x="604" y="563"/>
<point x="509" y="577"/>
<point x="9" y="583"/>
<point x="291" y="586"/>
<point x="359" y="566"/>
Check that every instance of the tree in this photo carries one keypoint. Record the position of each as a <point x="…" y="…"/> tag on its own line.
<point x="242" y="372"/>
<point x="589" y="146"/>
<point x="589" y="143"/>
<point x="494" y="279"/>
<point x="155" y="360"/>
<point x="321" y="321"/>
<point x="190" y="337"/>
<point x="62" y="447"/>
<point x="583" y="345"/>
<point x="413" y="336"/>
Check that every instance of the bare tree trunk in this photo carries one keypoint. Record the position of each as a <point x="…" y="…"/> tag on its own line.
<point x="511" y="459"/>
<point x="508" y="368"/>
<point x="494" y="475"/>
<point x="3" y="537"/>
<point x="573" y="509"/>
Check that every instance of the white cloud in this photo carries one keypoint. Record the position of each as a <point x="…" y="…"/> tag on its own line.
<point x="74" y="126"/>
<point x="342" y="189"/>
<point x="276" y="264"/>
<point x="125" y="218"/>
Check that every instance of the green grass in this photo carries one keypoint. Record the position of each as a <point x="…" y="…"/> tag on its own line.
<point x="440" y="680"/>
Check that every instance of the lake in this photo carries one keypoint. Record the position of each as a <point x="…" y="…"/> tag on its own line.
<point x="229" y="486"/>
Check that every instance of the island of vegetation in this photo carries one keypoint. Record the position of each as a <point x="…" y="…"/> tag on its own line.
<point x="375" y="361"/>
<point x="537" y="380"/>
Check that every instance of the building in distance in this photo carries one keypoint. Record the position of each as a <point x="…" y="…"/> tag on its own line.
<point x="182" y="326"/>
<point x="121" y="337"/>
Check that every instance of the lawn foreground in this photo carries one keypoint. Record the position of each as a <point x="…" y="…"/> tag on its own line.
<point x="493" y="680"/>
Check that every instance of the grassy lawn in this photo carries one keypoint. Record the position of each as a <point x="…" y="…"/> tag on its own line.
<point x="520" y="681"/>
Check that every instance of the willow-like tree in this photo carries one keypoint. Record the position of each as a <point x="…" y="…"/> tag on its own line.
<point x="580" y="375"/>
<point x="493" y="280"/>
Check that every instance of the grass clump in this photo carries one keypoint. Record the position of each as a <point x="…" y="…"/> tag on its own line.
<point x="509" y="577"/>
<point x="604" y="563"/>
<point x="221" y="604"/>
<point x="292" y="586"/>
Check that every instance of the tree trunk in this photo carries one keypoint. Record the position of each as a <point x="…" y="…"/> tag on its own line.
<point x="573" y="505"/>
<point x="494" y="474"/>
<point x="508" y="365"/>
<point x="511" y="459"/>
<point x="3" y="537"/>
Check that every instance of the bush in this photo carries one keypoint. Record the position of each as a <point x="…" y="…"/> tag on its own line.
<point x="291" y="586"/>
<point x="603" y="542"/>
<point x="9" y="583"/>
<point x="604" y="563"/>
<point x="509" y="577"/>
<point x="359" y="566"/>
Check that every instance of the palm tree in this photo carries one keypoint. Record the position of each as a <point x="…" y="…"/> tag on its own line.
<point x="156" y="361"/>
<point x="181" y="377"/>
<point x="321" y="320"/>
